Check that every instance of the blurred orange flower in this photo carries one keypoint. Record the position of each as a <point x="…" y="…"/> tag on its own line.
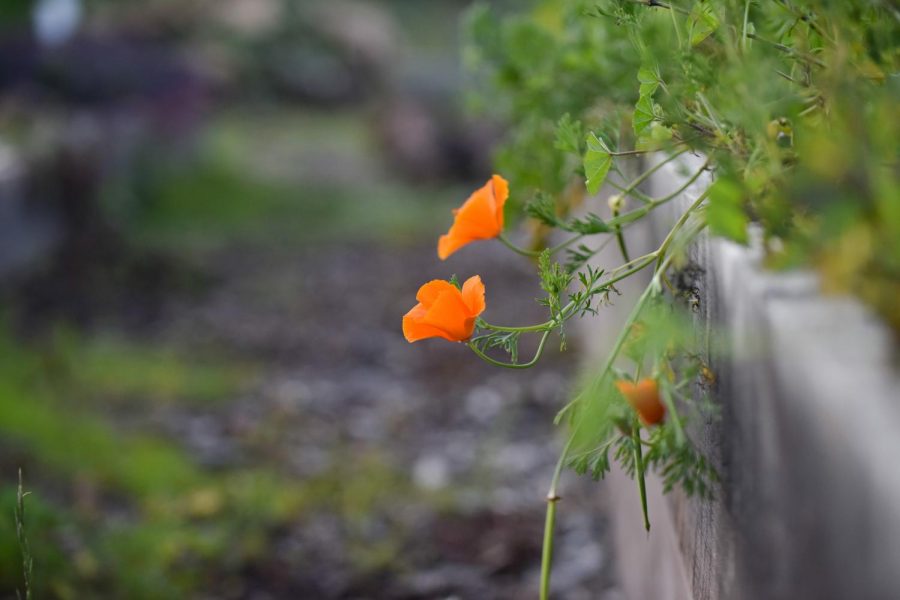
<point x="643" y="397"/>
<point x="479" y="218"/>
<point x="445" y="311"/>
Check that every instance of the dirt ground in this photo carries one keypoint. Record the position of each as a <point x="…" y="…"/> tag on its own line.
<point x="438" y="463"/>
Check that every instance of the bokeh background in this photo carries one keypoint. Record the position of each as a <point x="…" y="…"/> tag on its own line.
<point x="213" y="215"/>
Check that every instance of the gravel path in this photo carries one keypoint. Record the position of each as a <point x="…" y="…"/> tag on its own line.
<point x="438" y="463"/>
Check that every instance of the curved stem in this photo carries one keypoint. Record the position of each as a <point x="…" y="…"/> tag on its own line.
<point x="646" y="174"/>
<point x="639" y="470"/>
<point x="632" y="317"/>
<point x="655" y="202"/>
<point x="621" y="239"/>
<point x="535" y="253"/>
<point x="497" y="363"/>
<point x="632" y="267"/>
<point x="524" y="329"/>
<point x="550" y="521"/>
<point x="530" y="253"/>
<point x="663" y="248"/>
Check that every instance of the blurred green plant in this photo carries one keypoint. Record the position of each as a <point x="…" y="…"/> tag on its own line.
<point x="792" y="103"/>
<point x="132" y="515"/>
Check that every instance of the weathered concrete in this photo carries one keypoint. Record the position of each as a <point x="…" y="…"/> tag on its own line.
<point x="807" y="444"/>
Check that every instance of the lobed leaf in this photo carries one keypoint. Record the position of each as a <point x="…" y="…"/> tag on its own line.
<point x="597" y="162"/>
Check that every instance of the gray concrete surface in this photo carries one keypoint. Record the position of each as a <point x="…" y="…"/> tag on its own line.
<point x="807" y="444"/>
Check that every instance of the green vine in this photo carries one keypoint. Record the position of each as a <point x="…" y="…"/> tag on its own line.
<point x="793" y="107"/>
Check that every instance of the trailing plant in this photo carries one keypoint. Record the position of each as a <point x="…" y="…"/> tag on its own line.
<point x="793" y="106"/>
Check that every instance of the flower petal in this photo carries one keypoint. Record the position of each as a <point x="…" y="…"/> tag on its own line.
<point x="473" y="295"/>
<point x="450" y="314"/>
<point x="414" y="329"/>
<point x="449" y="243"/>
<point x="479" y="218"/>
<point x="429" y="292"/>
<point x="501" y="193"/>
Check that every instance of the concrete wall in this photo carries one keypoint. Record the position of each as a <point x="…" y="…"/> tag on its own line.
<point x="808" y="443"/>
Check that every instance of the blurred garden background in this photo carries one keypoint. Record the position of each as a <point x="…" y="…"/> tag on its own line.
<point x="213" y="215"/>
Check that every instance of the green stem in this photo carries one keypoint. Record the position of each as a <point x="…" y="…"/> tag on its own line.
<point x="646" y="174"/>
<point x="524" y="329"/>
<point x="663" y="248"/>
<point x="744" y="29"/>
<point x="788" y="50"/>
<point x="517" y="249"/>
<point x="27" y="560"/>
<point x="621" y="239"/>
<point x="535" y="253"/>
<point x="550" y="522"/>
<point x="635" y="311"/>
<point x="677" y="30"/>
<point x="652" y="203"/>
<point x="497" y="363"/>
<point x="639" y="470"/>
<point x="673" y="412"/>
<point x="639" y="263"/>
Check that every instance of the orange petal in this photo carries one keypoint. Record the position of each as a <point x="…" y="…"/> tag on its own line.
<point x="479" y="218"/>
<point x="414" y="329"/>
<point x="450" y="314"/>
<point x="644" y="399"/>
<point x="501" y="193"/>
<point x="473" y="295"/>
<point x="429" y="292"/>
<point x="448" y="244"/>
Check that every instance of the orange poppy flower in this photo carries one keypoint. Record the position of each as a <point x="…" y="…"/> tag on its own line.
<point x="479" y="218"/>
<point x="643" y="397"/>
<point x="445" y="311"/>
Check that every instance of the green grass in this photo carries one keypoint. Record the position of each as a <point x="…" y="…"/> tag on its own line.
<point x="212" y="204"/>
<point x="175" y="527"/>
<point x="288" y="178"/>
<point x="114" y="370"/>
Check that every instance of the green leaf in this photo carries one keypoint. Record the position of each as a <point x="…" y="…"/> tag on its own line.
<point x="543" y="208"/>
<point x="649" y="78"/>
<point x="597" y="161"/>
<point x="589" y="225"/>
<point x="644" y="114"/>
<point x="660" y="133"/>
<point x="569" y="135"/>
<point x="703" y="22"/>
<point x="725" y="214"/>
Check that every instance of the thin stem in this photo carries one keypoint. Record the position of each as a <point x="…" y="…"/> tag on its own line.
<point x="678" y="225"/>
<point x="677" y="31"/>
<point x="639" y="263"/>
<point x="646" y="174"/>
<point x="654" y="202"/>
<point x="676" y="419"/>
<point x="27" y="560"/>
<point x="788" y="50"/>
<point x="530" y="253"/>
<point x="535" y="253"/>
<point x="497" y="363"/>
<point x="639" y="470"/>
<point x="621" y="239"/>
<point x="550" y="521"/>
<point x="636" y="310"/>
<point x="614" y="353"/>
<point x="525" y="329"/>
<point x="630" y="153"/>
<point x="806" y="19"/>
<point x="744" y="29"/>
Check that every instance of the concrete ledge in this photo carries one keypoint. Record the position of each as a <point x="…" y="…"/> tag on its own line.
<point x="808" y="444"/>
